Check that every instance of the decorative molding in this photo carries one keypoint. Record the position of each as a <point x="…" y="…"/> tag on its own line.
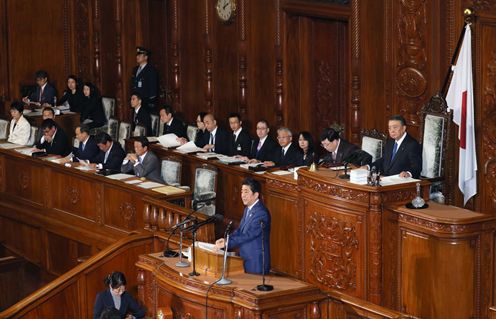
<point x="67" y="33"/>
<point x="325" y="82"/>
<point x="82" y="39"/>
<point x="399" y="195"/>
<point x="483" y="5"/>
<point x="128" y="213"/>
<point x="374" y="290"/>
<point x="437" y="227"/>
<point x="118" y="58"/>
<point x="97" y="44"/>
<point x="332" y="252"/>
<point x="99" y="205"/>
<point x="24" y="180"/>
<point x="488" y="109"/>
<point x="73" y="195"/>
<point x="333" y="190"/>
<point x="355" y="115"/>
<point x="176" y="94"/>
<point x="277" y="184"/>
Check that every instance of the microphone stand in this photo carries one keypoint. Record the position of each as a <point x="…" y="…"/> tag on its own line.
<point x="169" y="253"/>
<point x="181" y="263"/>
<point x="194" y="272"/>
<point x="223" y="280"/>
<point x="263" y="286"/>
<point x="345" y="175"/>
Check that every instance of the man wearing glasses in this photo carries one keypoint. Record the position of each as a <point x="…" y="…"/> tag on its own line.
<point x="54" y="140"/>
<point x="288" y="154"/>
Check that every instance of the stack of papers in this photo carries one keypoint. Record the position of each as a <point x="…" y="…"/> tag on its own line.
<point x="148" y="185"/>
<point x="359" y="176"/>
<point x="168" y="140"/>
<point x="169" y="190"/>
<point x="25" y="151"/>
<point x="189" y="147"/>
<point x="230" y="160"/>
<point x="396" y="179"/>
<point x="9" y="146"/>
<point x="208" y="155"/>
<point x="120" y="176"/>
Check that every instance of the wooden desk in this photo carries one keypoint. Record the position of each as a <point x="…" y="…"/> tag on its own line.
<point x="67" y="121"/>
<point x="161" y="283"/>
<point x="439" y="261"/>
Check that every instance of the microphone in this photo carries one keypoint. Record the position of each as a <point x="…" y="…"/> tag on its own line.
<point x="169" y="252"/>
<point x="223" y="280"/>
<point x="213" y="219"/>
<point x="188" y="219"/>
<point x="263" y="286"/>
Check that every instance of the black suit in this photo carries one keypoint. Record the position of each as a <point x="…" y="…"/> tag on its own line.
<point x="59" y="145"/>
<point x="75" y="100"/>
<point x="347" y="152"/>
<point x="142" y="118"/>
<point x="242" y="144"/>
<point x="408" y="158"/>
<point x="146" y="84"/>
<point x="114" y="159"/>
<point x="266" y="152"/>
<point x="177" y="127"/>
<point x="89" y="152"/>
<point x="200" y="137"/>
<point x="92" y="109"/>
<point x="222" y="141"/>
<point x="292" y="157"/>
<point x="48" y="95"/>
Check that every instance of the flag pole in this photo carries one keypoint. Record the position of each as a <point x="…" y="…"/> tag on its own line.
<point x="468" y="13"/>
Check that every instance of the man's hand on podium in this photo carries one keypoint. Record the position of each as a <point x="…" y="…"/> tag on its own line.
<point x="220" y="243"/>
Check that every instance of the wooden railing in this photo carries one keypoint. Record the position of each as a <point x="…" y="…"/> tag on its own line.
<point x="72" y="294"/>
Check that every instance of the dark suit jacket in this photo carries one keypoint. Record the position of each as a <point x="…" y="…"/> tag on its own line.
<point x="248" y="237"/>
<point x="408" y="158"/>
<point x="145" y="83"/>
<point x="75" y="100"/>
<point x="59" y="145"/>
<point x="222" y="141"/>
<point x="348" y="152"/>
<point x="143" y="118"/>
<point x="92" y="108"/>
<point x="115" y="158"/>
<point x="293" y="156"/>
<point x="90" y="151"/>
<point x="200" y="138"/>
<point x="48" y="95"/>
<point x="128" y="305"/>
<point x="177" y="127"/>
<point x="242" y="145"/>
<point x="150" y="168"/>
<point x="266" y="152"/>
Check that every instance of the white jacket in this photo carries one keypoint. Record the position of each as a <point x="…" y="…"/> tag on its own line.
<point x="21" y="133"/>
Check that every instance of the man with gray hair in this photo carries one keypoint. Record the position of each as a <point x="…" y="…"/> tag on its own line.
<point x="288" y="154"/>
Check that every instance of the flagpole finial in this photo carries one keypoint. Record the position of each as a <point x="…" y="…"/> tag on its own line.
<point x="468" y="13"/>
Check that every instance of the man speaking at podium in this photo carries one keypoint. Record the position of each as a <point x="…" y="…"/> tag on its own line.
<point x="248" y="237"/>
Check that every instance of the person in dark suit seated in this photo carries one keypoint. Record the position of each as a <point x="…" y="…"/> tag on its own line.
<point x="240" y="138"/>
<point x="143" y="162"/>
<point x="402" y="154"/>
<point x="54" y="140"/>
<point x="305" y="142"/>
<point x="202" y="130"/>
<point x="92" y="113"/>
<point x="44" y="94"/>
<point x="141" y="115"/>
<point x="87" y="149"/>
<point x="172" y="124"/>
<point x="288" y="154"/>
<point x="73" y="95"/>
<point x="340" y="150"/>
<point x="263" y="147"/>
<point x="117" y="297"/>
<point x="111" y="153"/>
<point x="248" y="237"/>
<point x="217" y="139"/>
<point x="144" y="79"/>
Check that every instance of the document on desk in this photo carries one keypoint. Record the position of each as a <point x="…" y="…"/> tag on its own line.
<point x="189" y="147"/>
<point x="9" y="146"/>
<point x="230" y="160"/>
<point x="133" y="181"/>
<point x="152" y="139"/>
<point x="120" y="176"/>
<point x="280" y="172"/>
<point x="84" y="168"/>
<point x="25" y="151"/>
<point x="149" y="185"/>
<point x="209" y="155"/>
<point x="168" y="140"/>
<point x="396" y="179"/>
<point x="169" y="190"/>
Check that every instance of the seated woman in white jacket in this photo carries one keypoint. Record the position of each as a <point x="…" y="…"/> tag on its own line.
<point x="20" y="129"/>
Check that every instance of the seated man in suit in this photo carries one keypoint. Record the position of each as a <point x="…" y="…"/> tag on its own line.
<point x="403" y="154"/>
<point x="248" y="237"/>
<point x="54" y="140"/>
<point x="143" y="163"/>
<point x="340" y="150"/>
<point x="141" y="116"/>
<point x="111" y="153"/>
<point x="217" y="138"/>
<point x="288" y="154"/>
<point x="263" y="147"/>
<point x="87" y="149"/>
<point x="240" y="139"/>
<point x="44" y="94"/>
<point x="172" y="124"/>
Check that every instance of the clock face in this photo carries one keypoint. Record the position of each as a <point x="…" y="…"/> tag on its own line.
<point x="226" y="9"/>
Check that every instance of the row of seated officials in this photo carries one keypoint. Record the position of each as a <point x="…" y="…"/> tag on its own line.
<point x="402" y="154"/>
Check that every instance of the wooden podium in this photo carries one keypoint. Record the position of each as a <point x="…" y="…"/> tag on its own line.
<point x="211" y="263"/>
<point x="162" y="285"/>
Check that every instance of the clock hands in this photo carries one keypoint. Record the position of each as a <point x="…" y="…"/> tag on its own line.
<point x="227" y="3"/>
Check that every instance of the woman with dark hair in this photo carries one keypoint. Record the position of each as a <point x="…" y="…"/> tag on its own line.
<point x="20" y="129"/>
<point x="202" y="130"/>
<point x="92" y="113"/>
<point x="117" y="297"/>
<point x="305" y="141"/>
<point x="73" y="95"/>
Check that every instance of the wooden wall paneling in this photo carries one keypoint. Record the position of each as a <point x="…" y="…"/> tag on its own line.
<point x="110" y="50"/>
<point x="242" y="63"/>
<point x="63" y="253"/>
<point x="208" y="59"/>
<point x="4" y="53"/>
<point x="25" y="240"/>
<point x="82" y="38"/>
<point x="95" y="36"/>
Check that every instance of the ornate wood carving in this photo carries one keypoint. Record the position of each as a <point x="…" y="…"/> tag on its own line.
<point x="82" y="38"/>
<point x="333" y="190"/>
<point x="242" y="61"/>
<point x="118" y="59"/>
<point x="333" y="248"/>
<point x="279" y="80"/>
<point x="24" y="180"/>
<point x="282" y="185"/>
<point x="97" y="78"/>
<point x="175" y="56"/>
<point x="355" y="71"/>
<point x="437" y="227"/>
<point x="73" y="195"/>
<point x="398" y="196"/>
<point x="483" y="5"/>
<point x="489" y="128"/>
<point x="325" y="97"/>
<point x="128" y="213"/>
<point x="67" y="33"/>
<point x="375" y="256"/>
<point x="99" y="205"/>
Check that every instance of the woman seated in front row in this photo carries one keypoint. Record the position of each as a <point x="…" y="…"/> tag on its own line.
<point x="117" y="297"/>
<point x="92" y="113"/>
<point x="20" y="129"/>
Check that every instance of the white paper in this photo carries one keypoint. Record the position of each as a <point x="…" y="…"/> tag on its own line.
<point x="152" y="139"/>
<point x="189" y="147"/>
<point x="336" y="168"/>
<point x="25" y="151"/>
<point x="120" y="176"/>
<point x="396" y="179"/>
<point x="149" y="185"/>
<point x="281" y="172"/>
<point x="229" y="159"/>
<point x="168" y="140"/>
<point x="9" y="146"/>
<point x="133" y="181"/>
<point x="83" y="168"/>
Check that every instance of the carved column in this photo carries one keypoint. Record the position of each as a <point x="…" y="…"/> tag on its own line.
<point x="97" y="76"/>
<point x="176" y="93"/>
<point x="4" y="78"/>
<point x="355" y="71"/>
<point x="119" y="94"/>
<point x="278" y="70"/>
<point x="242" y="61"/>
<point x="208" y="61"/>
